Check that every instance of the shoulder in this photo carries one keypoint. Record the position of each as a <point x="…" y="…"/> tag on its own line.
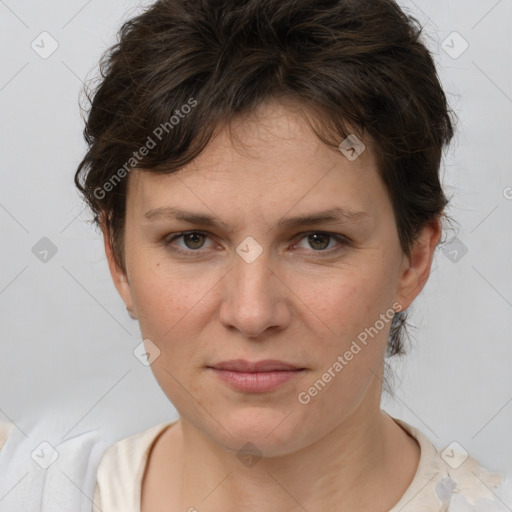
<point x="126" y="453"/>
<point x="39" y="454"/>
<point x="121" y="468"/>
<point x="449" y="479"/>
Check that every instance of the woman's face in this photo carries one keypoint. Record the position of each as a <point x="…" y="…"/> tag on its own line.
<point x="249" y="285"/>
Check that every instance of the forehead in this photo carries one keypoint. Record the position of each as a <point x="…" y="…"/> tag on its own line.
<point x="269" y="158"/>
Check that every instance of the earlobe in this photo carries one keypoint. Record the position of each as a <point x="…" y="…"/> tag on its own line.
<point x="415" y="269"/>
<point x="119" y="276"/>
<point x="131" y="313"/>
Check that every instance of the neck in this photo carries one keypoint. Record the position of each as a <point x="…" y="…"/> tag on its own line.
<point x="347" y="469"/>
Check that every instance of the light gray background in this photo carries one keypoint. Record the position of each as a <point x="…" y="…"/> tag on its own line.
<point x="66" y="338"/>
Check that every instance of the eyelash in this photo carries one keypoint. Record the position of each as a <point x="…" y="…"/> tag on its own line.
<point x="341" y="239"/>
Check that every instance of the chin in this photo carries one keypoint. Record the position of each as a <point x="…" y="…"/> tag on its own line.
<point x="273" y="432"/>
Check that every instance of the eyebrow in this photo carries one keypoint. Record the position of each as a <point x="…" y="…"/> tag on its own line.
<point x="333" y="215"/>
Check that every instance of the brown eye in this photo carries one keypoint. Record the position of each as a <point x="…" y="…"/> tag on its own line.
<point x="192" y="241"/>
<point x="319" y="241"/>
<point x="322" y="242"/>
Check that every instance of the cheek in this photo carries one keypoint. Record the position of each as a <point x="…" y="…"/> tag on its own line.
<point x="161" y="298"/>
<point x="171" y="313"/>
<point x="352" y="352"/>
<point x="158" y="289"/>
<point x="174" y="305"/>
<point x="346" y="302"/>
<point x="349" y="305"/>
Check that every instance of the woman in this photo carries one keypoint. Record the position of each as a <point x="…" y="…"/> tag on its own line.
<point x="266" y="177"/>
<point x="265" y="174"/>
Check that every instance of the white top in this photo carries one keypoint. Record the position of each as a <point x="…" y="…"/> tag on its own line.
<point x="93" y="466"/>
<point x="45" y="466"/>
<point x="445" y="481"/>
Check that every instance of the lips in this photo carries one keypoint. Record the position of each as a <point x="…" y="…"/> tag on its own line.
<point x="256" y="377"/>
<point x="267" y="365"/>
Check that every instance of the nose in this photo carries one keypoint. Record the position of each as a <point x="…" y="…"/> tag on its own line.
<point x="255" y="300"/>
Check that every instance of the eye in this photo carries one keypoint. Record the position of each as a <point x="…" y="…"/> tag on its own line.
<point x="193" y="241"/>
<point x="320" y="241"/>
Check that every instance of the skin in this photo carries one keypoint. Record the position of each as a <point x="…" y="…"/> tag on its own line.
<point x="301" y="302"/>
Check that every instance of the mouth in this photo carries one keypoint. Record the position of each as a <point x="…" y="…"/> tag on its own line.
<point x="256" y="377"/>
<point x="267" y="365"/>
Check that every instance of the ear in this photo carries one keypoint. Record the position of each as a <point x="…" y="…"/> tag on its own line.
<point x="118" y="275"/>
<point x="415" y="269"/>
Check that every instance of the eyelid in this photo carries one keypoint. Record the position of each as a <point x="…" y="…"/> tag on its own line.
<point x="323" y="232"/>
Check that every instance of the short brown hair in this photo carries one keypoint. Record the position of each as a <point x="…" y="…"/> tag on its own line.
<point x="351" y="63"/>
